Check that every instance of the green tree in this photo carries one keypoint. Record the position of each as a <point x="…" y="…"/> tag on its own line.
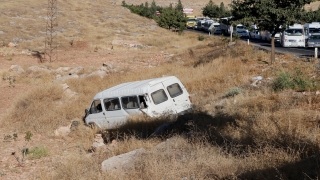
<point x="153" y="8"/>
<point x="312" y="16"/>
<point x="211" y="10"/>
<point x="270" y="15"/>
<point x="172" y="18"/>
<point x="179" y="6"/>
<point x="224" y="12"/>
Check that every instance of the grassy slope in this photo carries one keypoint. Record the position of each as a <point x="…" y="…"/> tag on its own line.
<point x="257" y="134"/>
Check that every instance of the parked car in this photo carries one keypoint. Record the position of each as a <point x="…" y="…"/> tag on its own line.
<point x="241" y="31"/>
<point x="266" y="36"/>
<point x="154" y="97"/>
<point x="314" y="40"/>
<point x="213" y="27"/>
<point x="217" y="30"/>
<point x="254" y="33"/>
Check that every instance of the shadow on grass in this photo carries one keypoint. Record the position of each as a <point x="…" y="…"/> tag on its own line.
<point x="189" y="125"/>
<point x="307" y="168"/>
<point x="202" y="127"/>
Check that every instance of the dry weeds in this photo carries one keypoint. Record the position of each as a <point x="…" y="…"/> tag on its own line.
<point x="256" y="133"/>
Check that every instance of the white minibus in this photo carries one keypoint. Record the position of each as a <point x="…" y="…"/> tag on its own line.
<point x="293" y="36"/>
<point x="154" y="97"/>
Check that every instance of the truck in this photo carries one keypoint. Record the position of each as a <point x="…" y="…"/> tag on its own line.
<point x="225" y="25"/>
<point x="111" y="108"/>
<point x="207" y="24"/>
<point x="200" y="24"/>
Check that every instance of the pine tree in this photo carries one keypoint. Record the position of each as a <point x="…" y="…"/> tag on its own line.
<point x="179" y="6"/>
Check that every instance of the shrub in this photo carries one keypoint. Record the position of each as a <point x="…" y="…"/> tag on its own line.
<point x="295" y="80"/>
<point x="38" y="152"/>
<point x="283" y="81"/>
<point x="200" y="38"/>
<point x="233" y="92"/>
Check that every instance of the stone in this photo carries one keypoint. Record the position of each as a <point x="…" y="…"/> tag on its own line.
<point x="66" y="77"/>
<point x="99" y="73"/>
<point x="67" y="91"/>
<point x="76" y="70"/>
<point x="11" y="44"/>
<point x="122" y="162"/>
<point x="60" y="70"/>
<point x="98" y="138"/>
<point x="96" y="145"/>
<point x="108" y="65"/>
<point x="62" y="131"/>
<point x="39" y="69"/>
<point x="16" y="68"/>
<point x="103" y="68"/>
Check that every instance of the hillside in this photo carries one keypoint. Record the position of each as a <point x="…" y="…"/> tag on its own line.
<point x="252" y="119"/>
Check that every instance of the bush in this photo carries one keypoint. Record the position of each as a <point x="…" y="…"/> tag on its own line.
<point x="38" y="152"/>
<point x="200" y="38"/>
<point x="233" y="92"/>
<point x="295" y="81"/>
<point x="283" y="81"/>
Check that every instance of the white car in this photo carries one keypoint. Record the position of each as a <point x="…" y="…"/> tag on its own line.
<point x="242" y="31"/>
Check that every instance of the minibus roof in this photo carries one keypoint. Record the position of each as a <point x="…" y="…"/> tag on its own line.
<point x="131" y="88"/>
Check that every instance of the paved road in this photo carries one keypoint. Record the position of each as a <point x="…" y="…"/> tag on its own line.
<point x="301" y="52"/>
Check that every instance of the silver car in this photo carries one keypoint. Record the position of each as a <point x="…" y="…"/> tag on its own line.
<point x="314" y="40"/>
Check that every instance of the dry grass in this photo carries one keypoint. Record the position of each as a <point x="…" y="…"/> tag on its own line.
<point x="256" y="126"/>
<point x="255" y="134"/>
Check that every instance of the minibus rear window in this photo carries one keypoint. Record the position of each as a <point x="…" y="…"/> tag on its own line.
<point x="174" y="90"/>
<point x="159" y="96"/>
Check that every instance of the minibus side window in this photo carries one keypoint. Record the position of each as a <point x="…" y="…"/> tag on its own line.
<point x="159" y="96"/>
<point x="142" y="101"/>
<point x="174" y="90"/>
<point x="130" y="102"/>
<point x="95" y="107"/>
<point x="112" y="104"/>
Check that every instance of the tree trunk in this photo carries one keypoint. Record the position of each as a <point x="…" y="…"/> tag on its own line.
<point x="272" y="49"/>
